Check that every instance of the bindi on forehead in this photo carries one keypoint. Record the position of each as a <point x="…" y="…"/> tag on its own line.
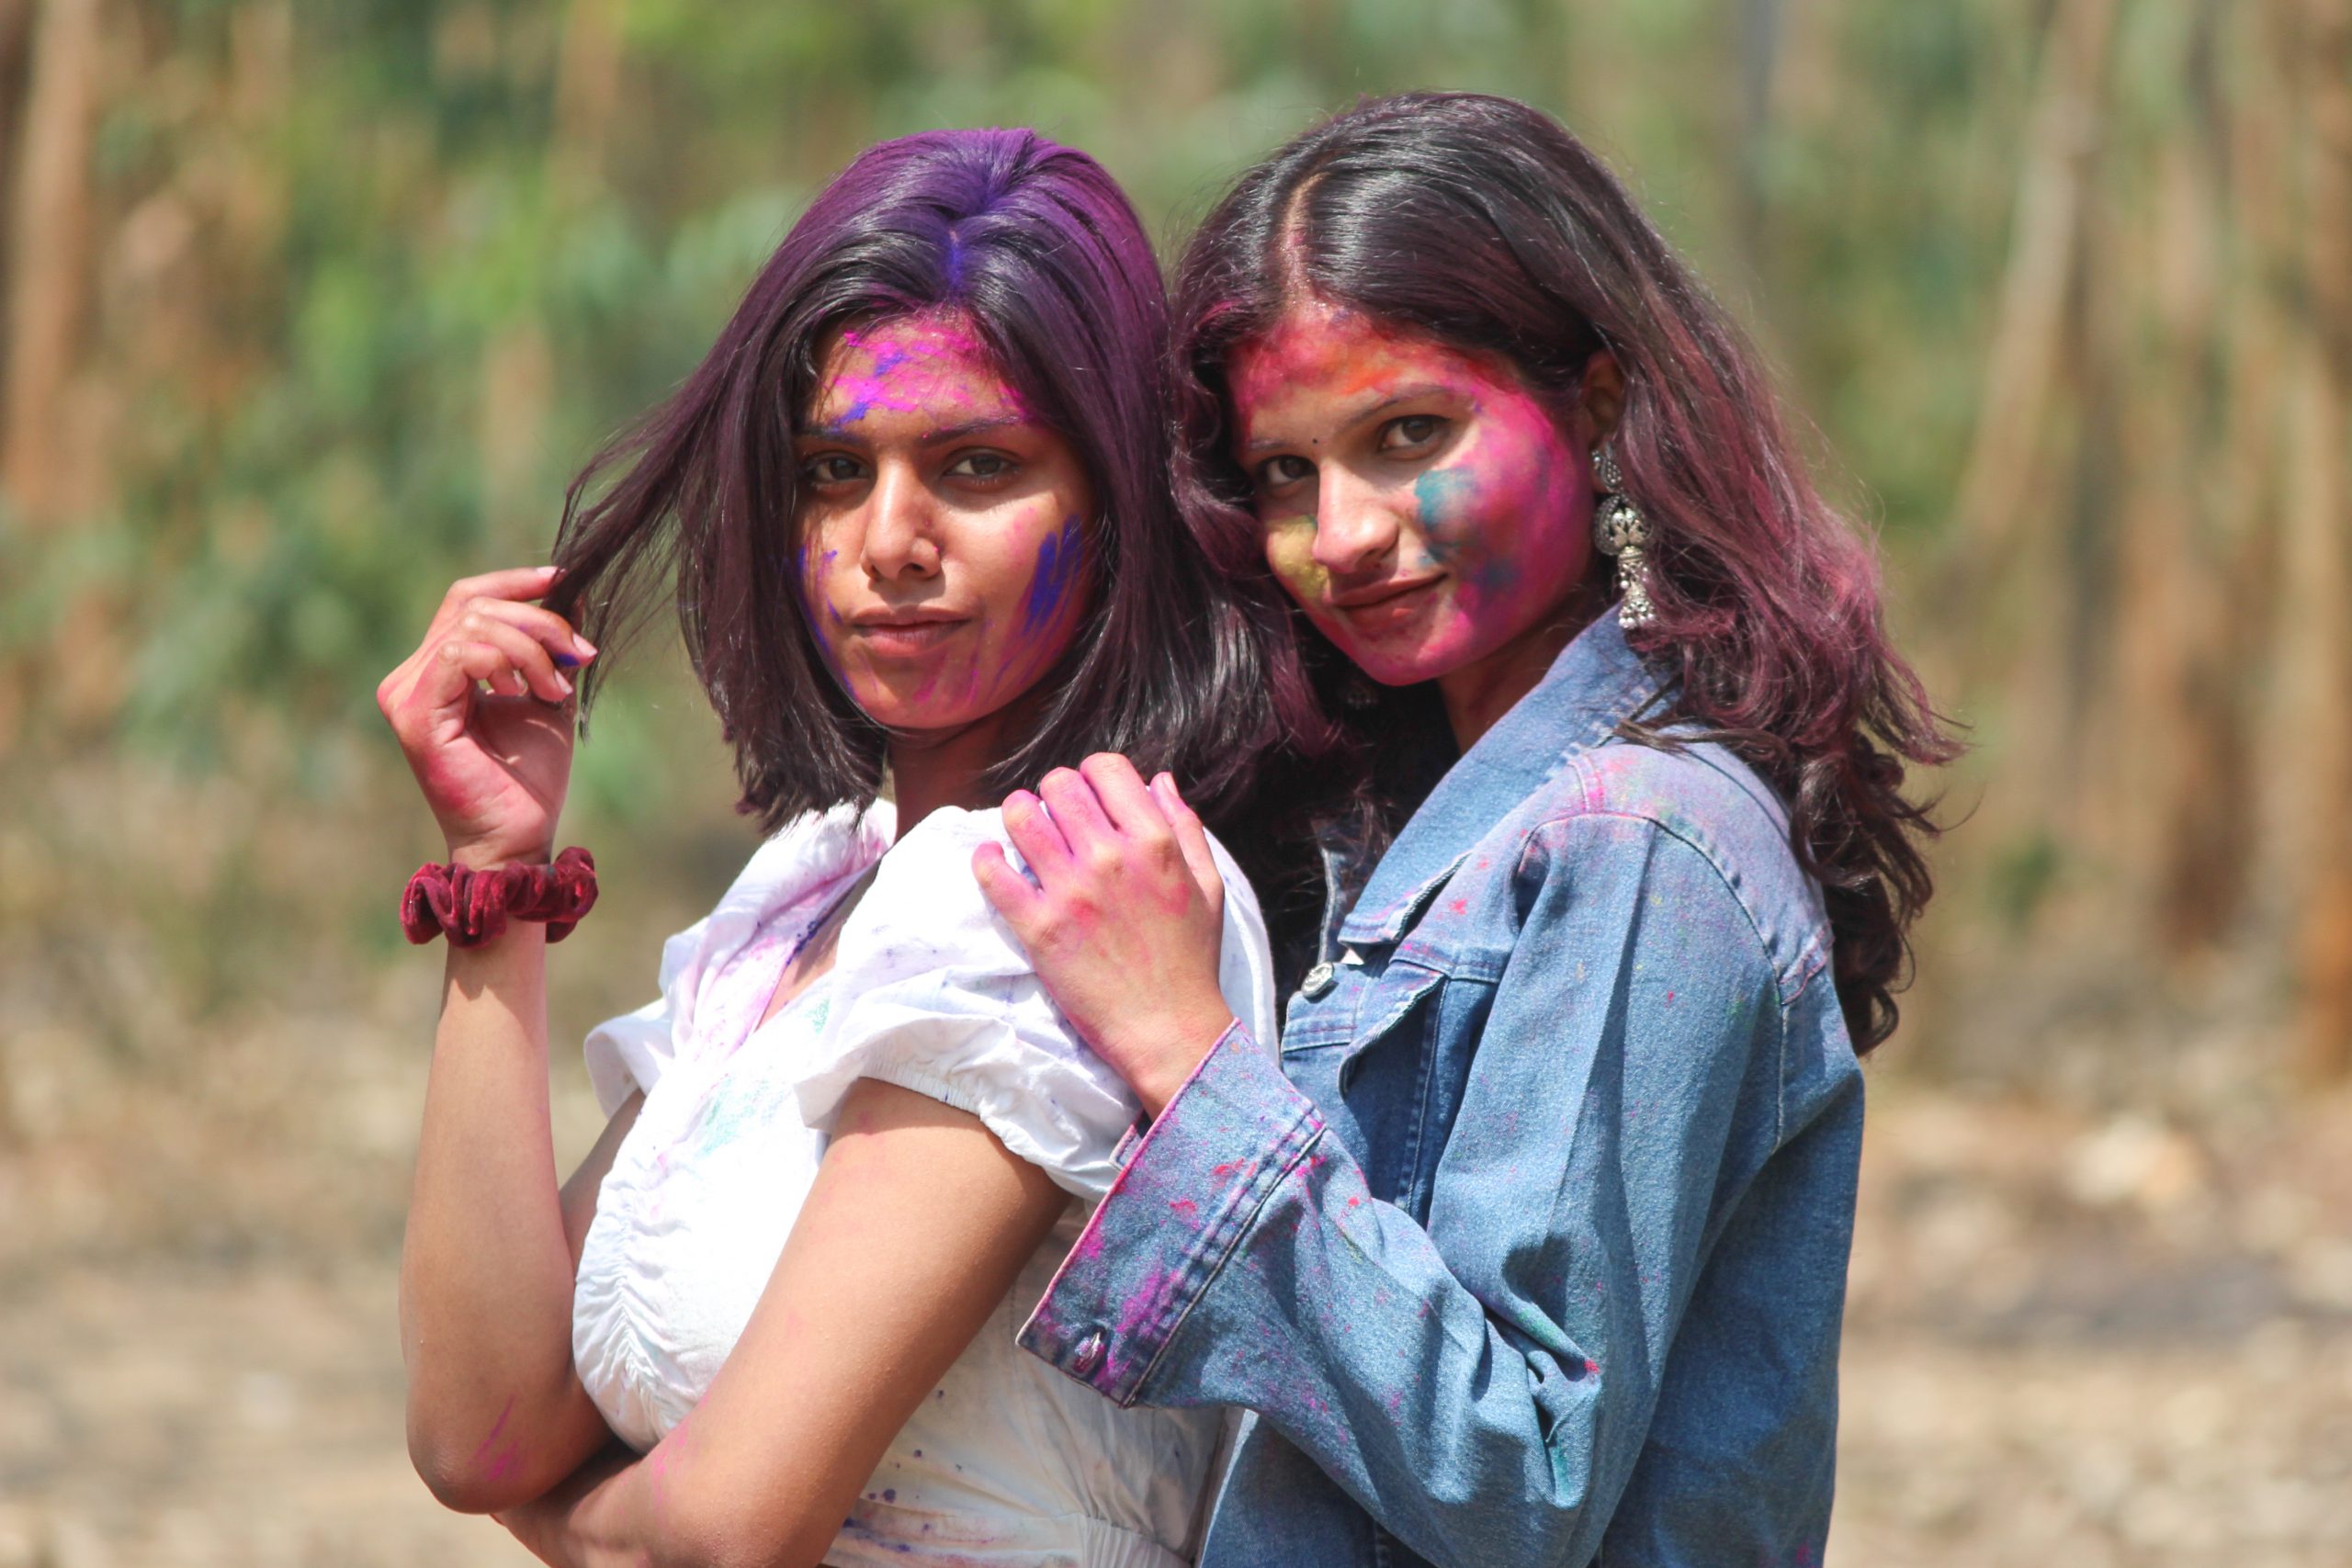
<point x="933" y="365"/>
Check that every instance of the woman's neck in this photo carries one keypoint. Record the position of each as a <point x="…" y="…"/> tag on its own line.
<point x="1481" y="692"/>
<point x="934" y="768"/>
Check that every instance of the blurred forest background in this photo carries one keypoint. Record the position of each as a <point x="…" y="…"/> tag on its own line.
<point x="310" y="309"/>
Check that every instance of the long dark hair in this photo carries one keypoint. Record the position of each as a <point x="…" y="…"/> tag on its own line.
<point x="1483" y="222"/>
<point x="1037" y="247"/>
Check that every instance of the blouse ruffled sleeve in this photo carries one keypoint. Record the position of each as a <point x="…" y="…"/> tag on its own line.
<point x="629" y="1054"/>
<point x="932" y="992"/>
<point x="812" y="853"/>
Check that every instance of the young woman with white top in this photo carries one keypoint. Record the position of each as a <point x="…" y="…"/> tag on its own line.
<point x="916" y="506"/>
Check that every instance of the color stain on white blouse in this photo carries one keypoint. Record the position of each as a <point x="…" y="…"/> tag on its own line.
<point x="1007" y="1463"/>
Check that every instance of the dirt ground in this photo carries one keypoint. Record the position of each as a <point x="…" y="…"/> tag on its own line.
<point x="2072" y="1341"/>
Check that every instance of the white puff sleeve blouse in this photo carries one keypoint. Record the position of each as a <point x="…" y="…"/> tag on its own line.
<point x="1008" y="1463"/>
<point x="934" y="994"/>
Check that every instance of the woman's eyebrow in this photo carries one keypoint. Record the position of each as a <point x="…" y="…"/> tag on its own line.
<point x="1356" y="416"/>
<point x="847" y="433"/>
<point x="971" y="428"/>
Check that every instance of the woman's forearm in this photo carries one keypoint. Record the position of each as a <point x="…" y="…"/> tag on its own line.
<point x="596" y="1519"/>
<point x="622" y="1510"/>
<point x="918" y="1221"/>
<point x="495" y="1414"/>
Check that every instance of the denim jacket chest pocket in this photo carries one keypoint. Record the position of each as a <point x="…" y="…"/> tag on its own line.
<point x="1385" y="1048"/>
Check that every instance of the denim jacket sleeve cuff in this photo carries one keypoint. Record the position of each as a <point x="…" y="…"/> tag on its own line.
<point x="1188" y="1195"/>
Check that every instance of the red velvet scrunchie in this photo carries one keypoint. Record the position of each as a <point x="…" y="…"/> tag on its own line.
<point x="472" y="906"/>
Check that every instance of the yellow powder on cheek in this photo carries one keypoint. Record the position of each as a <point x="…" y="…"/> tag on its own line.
<point x="1289" y="550"/>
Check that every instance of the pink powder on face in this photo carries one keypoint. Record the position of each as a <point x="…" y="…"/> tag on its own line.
<point x="920" y="364"/>
<point x="1485" y="529"/>
<point x="950" y="500"/>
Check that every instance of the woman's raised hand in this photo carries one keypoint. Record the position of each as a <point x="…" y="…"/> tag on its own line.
<point x="483" y="711"/>
<point x="1126" y="918"/>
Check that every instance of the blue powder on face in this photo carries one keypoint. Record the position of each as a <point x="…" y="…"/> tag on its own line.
<point x="1443" y="495"/>
<point x="1058" y="563"/>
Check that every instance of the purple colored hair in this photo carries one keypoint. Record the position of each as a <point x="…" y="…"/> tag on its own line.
<point x="1038" y="249"/>
<point x="1483" y="222"/>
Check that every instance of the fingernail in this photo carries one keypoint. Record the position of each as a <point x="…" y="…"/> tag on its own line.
<point x="563" y="685"/>
<point x="568" y="660"/>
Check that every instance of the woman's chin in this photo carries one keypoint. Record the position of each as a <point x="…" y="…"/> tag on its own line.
<point x="1431" y="651"/>
<point x="923" y="719"/>
<point x="1402" y="666"/>
<point x="932" y="704"/>
<point x="943" y="694"/>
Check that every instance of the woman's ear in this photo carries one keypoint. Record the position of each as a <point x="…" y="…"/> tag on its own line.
<point x="1600" y="397"/>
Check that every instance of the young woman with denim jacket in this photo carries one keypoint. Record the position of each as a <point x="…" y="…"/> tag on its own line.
<point x="1532" y="1250"/>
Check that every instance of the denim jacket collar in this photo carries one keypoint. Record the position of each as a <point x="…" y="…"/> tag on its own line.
<point x="1595" y="683"/>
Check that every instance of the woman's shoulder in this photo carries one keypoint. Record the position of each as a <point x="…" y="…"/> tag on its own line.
<point x="1696" y="814"/>
<point x="813" y="848"/>
<point x="953" y="827"/>
<point x="926" y="912"/>
<point x="927" y="872"/>
<point x="932" y="992"/>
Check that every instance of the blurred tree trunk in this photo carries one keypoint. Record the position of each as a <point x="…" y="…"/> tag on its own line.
<point x="48" y="295"/>
<point x="518" y="361"/>
<point x="16" y="33"/>
<point x="2070" y="683"/>
<point x="587" y="85"/>
<point x="2181" y="758"/>
<point x="2322" y="522"/>
<point x="2020" y="568"/>
<point x="2007" y="461"/>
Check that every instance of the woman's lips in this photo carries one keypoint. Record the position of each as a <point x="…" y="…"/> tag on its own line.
<point x="1382" y="606"/>
<point x="906" y="639"/>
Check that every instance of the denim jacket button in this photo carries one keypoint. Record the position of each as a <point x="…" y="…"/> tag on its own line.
<point x="1089" y="1350"/>
<point x="1317" y="981"/>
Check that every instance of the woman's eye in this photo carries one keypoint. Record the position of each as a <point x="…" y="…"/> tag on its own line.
<point x="1275" y="473"/>
<point x="1412" y="431"/>
<point x="981" y="466"/>
<point x="832" y="468"/>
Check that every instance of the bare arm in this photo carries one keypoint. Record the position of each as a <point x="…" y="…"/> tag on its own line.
<point x="918" y="1223"/>
<point x="495" y="1412"/>
<point x="483" y="714"/>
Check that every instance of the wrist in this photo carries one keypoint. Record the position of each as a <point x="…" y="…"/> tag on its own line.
<point x="492" y="856"/>
<point x="475" y="898"/>
<point x="1183" y="1044"/>
<point x="525" y="939"/>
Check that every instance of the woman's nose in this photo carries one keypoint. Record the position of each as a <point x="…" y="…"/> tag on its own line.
<point x="1355" y="527"/>
<point x="899" y="542"/>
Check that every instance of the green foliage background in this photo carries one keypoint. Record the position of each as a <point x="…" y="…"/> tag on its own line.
<point x="365" y="282"/>
<point x="311" y="306"/>
<point x="280" y="525"/>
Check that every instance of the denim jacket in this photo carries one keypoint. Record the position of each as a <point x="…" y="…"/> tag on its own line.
<point x="1533" y="1250"/>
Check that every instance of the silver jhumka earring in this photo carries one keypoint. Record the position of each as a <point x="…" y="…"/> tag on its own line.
<point x="1620" y="530"/>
